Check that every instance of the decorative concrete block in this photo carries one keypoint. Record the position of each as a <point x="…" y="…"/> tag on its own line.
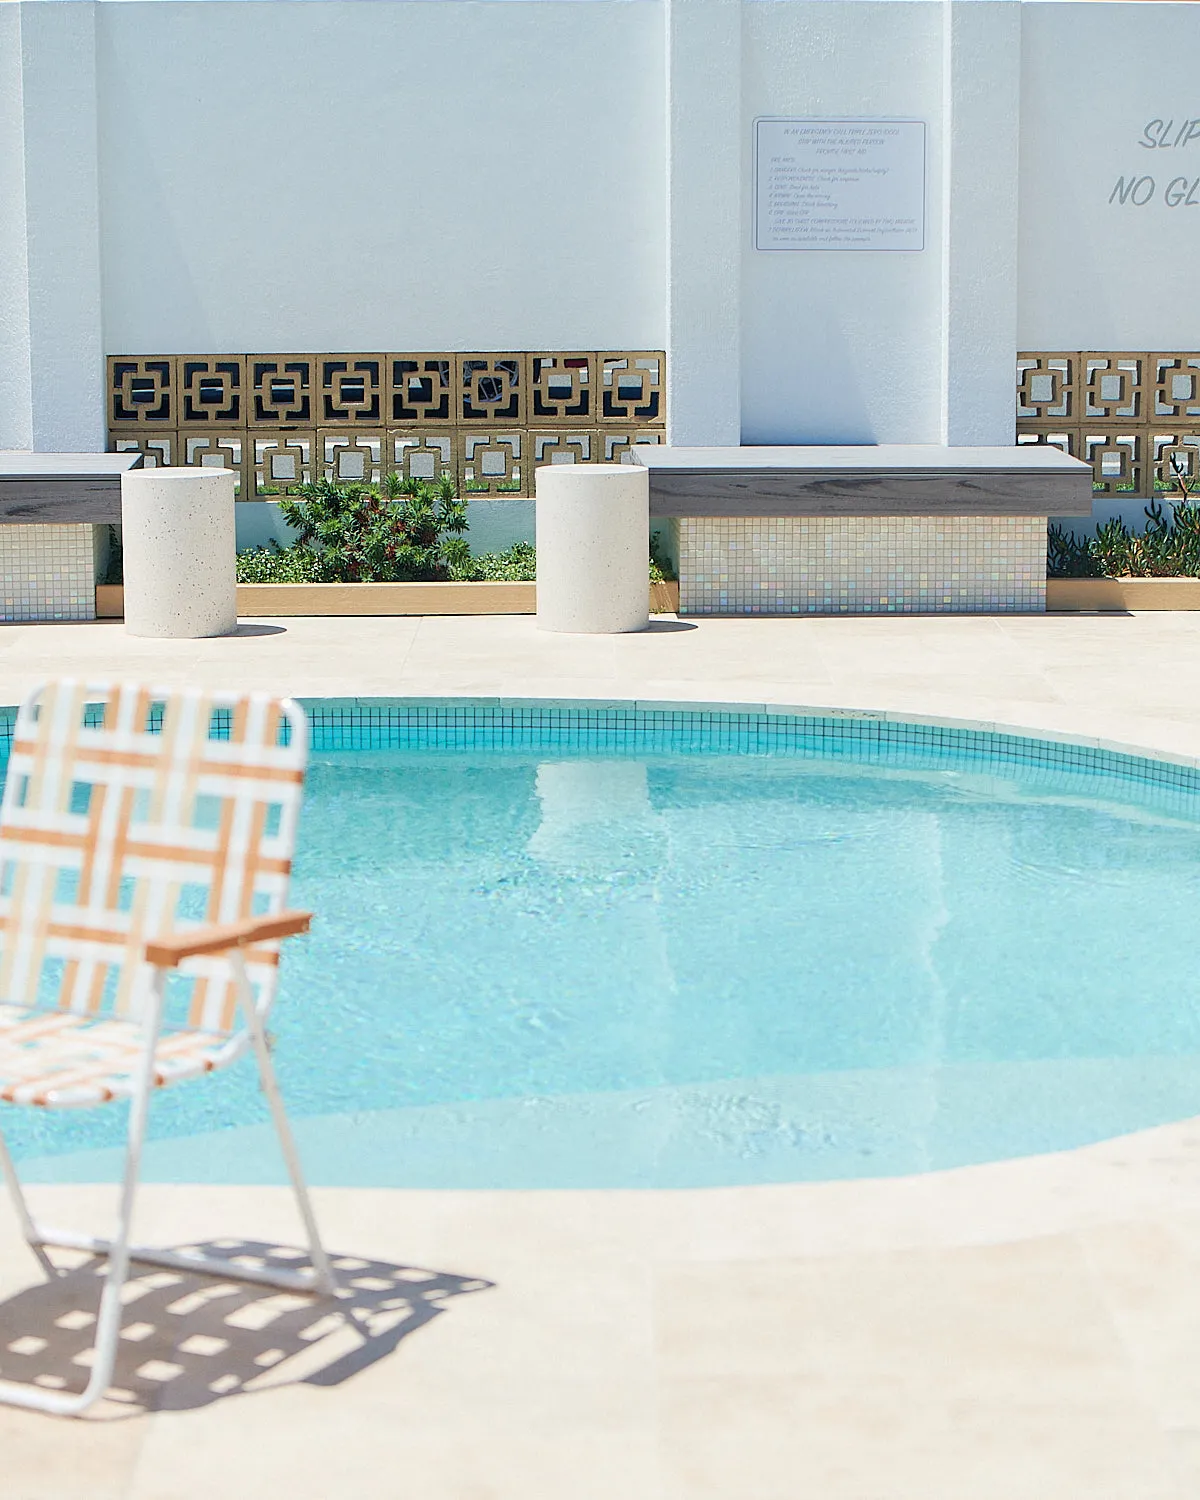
<point x="180" y="552"/>
<point x="862" y="565"/>
<point x="47" y="573"/>
<point x="593" y="541"/>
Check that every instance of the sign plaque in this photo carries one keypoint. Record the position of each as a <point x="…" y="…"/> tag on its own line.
<point x="839" y="185"/>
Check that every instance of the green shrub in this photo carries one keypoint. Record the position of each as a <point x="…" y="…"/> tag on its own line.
<point x="407" y="531"/>
<point x="661" y="569"/>
<point x="516" y="564"/>
<point x="114" y="568"/>
<point x="275" y="564"/>
<point x="411" y="533"/>
<point x="1167" y="548"/>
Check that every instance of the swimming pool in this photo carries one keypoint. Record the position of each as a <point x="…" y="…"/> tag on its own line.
<point x="569" y="946"/>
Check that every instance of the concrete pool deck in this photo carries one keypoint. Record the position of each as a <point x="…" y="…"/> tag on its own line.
<point x="1027" y="1330"/>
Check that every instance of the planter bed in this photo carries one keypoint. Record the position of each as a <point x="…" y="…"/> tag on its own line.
<point x="1063" y="596"/>
<point x="1121" y="595"/>
<point x="267" y="599"/>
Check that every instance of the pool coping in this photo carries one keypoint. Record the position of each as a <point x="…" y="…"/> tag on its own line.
<point x="1014" y="1262"/>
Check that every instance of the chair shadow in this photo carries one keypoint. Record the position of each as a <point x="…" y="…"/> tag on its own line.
<point x="189" y="1339"/>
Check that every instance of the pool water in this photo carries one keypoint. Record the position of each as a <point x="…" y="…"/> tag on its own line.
<point x="549" y="956"/>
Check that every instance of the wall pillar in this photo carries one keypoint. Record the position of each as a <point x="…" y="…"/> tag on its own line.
<point x="51" y="340"/>
<point x="703" y="212"/>
<point x="981" y="98"/>
<point x="16" y="412"/>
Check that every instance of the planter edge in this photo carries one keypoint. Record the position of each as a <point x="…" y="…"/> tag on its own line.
<point x="1121" y="595"/>
<point x="279" y="599"/>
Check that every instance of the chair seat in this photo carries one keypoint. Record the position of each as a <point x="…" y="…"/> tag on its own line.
<point x="59" y="1060"/>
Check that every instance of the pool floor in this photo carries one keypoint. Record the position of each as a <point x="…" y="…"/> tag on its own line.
<point x="690" y="953"/>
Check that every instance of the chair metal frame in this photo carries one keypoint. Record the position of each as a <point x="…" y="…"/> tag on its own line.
<point x="163" y="954"/>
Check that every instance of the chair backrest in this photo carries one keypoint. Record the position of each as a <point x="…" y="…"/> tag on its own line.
<point x="129" y="813"/>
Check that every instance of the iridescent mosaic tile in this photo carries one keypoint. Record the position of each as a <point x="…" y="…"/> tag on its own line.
<point x="862" y="565"/>
<point x="47" y="573"/>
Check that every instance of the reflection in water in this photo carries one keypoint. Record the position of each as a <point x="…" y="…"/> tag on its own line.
<point x="685" y="969"/>
<point x="599" y="832"/>
<point x="597" y="820"/>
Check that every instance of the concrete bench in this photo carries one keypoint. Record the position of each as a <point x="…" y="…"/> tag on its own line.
<point x="63" y="488"/>
<point x="49" y="504"/>
<point x="862" y="530"/>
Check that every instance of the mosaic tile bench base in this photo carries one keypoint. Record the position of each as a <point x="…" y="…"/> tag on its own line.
<point x="47" y="573"/>
<point x="861" y="565"/>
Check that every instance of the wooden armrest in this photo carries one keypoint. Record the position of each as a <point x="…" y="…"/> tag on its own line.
<point x="167" y="952"/>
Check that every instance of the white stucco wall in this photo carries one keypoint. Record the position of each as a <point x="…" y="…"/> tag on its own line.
<point x="703" y="212"/>
<point x="51" y="368"/>
<point x="842" y="346"/>
<point x="542" y="173"/>
<point x="62" y="221"/>
<point x="16" y="413"/>
<point x="389" y="175"/>
<point x="981" y="103"/>
<point x="1095" y="274"/>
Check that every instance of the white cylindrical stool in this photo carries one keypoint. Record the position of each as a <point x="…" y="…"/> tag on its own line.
<point x="180" y="552"/>
<point x="593" y="548"/>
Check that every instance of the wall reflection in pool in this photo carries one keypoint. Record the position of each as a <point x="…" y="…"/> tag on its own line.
<point x="559" y="950"/>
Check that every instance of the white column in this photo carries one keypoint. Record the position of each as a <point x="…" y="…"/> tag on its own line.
<point x="51" y="342"/>
<point x="704" y="221"/>
<point x="593" y="544"/>
<point x="981" y="100"/>
<point x="16" y="409"/>
<point x="180" y="553"/>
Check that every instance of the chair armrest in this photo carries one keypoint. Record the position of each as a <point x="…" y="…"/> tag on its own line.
<point x="167" y="952"/>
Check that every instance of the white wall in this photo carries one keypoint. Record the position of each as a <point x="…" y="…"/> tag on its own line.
<point x="1095" y="275"/>
<point x="51" y="368"/>
<point x="445" y="174"/>
<point x="842" y="346"/>
<point x="703" y="220"/>
<point x="16" y="413"/>
<point x="981" y="103"/>
<point x="381" y="176"/>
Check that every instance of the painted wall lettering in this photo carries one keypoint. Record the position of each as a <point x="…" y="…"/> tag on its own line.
<point x="1180" y="193"/>
<point x="1137" y="189"/>
<point x="1162" y="135"/>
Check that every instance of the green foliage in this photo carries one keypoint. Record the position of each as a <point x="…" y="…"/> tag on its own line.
<point x="114" y="567"/>
<point x="411" y="533"/>
<point x="1167" y="548"/>
<point x="517" y="564"/>
<point x="276" y="564"/>
<point x="407" y="531"/>
<point x="661" y="568"/>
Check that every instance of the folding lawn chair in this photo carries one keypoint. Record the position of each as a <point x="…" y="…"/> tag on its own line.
<point x="145" y="847"/>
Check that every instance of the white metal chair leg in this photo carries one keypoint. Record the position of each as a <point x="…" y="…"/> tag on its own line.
<point x="120" y="1252"/>
<point x="319" y="1282"/>
<point x="108" y="1322"/>
<point x="28" y="1228"/>
<point x="322" y="1271"/>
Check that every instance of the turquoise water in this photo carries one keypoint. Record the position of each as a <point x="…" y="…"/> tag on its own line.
<point x="565" y="950"/>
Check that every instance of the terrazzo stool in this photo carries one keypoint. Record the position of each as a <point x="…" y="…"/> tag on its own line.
<point x="593" y="544"/>
<point x="180" y="553"/>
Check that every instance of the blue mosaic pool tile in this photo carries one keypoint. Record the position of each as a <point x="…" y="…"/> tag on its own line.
<point x="626" y="729"/>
